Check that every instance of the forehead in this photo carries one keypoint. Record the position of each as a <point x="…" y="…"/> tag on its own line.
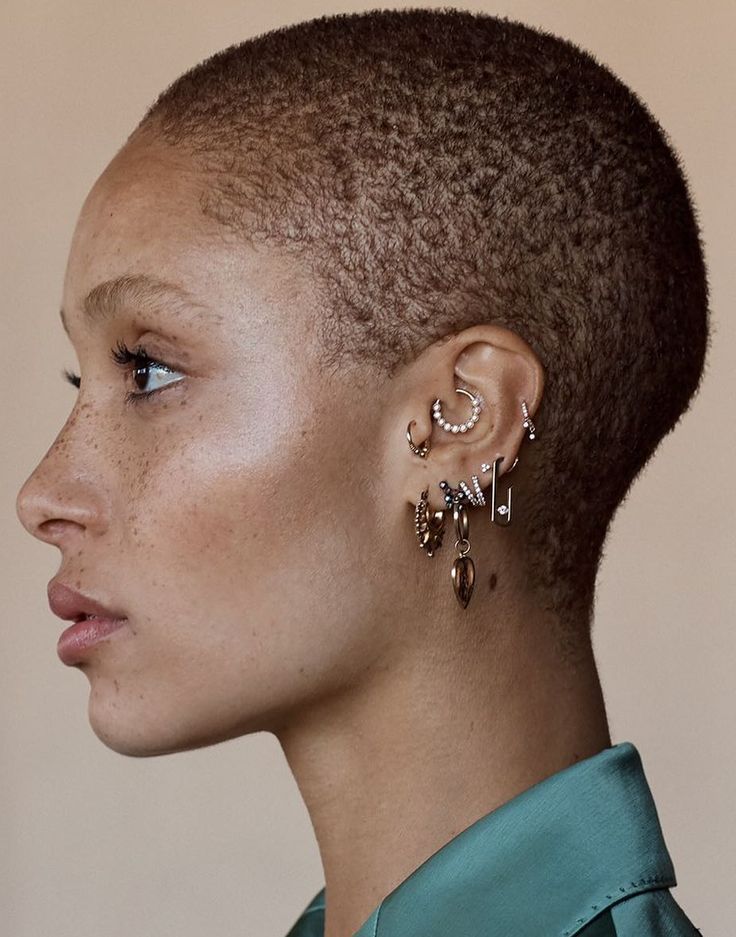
<point x="142" y="213"/>
<point x="142" y="218"/>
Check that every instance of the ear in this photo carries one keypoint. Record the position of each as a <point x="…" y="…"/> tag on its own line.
<point x="487" y="359"/>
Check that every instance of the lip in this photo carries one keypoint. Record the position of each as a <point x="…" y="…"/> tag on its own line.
<point x="69" y="604"/>
<point x="75" y="640"/>
<point x="84" y="632"/>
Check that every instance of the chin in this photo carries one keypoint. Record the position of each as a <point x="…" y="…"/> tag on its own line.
<point x="134" y="724"/>
<point x="123" y="733"/>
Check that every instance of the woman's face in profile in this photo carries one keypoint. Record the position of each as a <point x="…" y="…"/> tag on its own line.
<point x="223" y="513"/>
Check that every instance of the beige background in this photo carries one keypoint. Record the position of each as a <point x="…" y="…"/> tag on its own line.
<point x="217" y="842"/>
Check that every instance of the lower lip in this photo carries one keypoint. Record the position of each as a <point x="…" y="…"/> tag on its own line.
<point x="80" y="636"/>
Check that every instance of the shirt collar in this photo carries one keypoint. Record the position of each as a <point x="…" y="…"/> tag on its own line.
<point x="542" y="864"/>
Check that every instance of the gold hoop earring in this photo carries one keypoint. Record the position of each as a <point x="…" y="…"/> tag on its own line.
<point x="420" y="450"/>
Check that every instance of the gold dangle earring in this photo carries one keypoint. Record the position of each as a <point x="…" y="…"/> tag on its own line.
<point x="463" y="569"/>
<point x="428" y="525"/>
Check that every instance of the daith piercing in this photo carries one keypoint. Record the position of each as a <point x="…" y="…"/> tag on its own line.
<point x="477" y="402"/>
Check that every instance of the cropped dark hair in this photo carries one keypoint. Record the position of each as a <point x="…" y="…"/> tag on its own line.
<point x="439" y="168"/>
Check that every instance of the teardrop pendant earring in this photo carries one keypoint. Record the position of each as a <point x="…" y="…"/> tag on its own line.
<point x="463" y="568"/>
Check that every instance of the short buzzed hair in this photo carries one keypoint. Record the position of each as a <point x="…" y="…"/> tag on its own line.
<point x="438" y="169"/>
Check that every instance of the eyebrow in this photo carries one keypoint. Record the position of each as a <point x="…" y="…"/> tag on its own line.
<point x="140" y="290"/>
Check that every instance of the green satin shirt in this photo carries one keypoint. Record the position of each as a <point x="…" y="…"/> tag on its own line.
<point x="579" y="853"/>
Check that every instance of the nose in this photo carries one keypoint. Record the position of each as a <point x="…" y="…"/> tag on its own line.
<point x="56" y="500"/>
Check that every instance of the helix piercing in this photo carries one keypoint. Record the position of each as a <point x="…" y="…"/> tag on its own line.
<point x="527" y="420"/>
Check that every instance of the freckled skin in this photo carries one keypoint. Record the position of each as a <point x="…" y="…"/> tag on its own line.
<point x="255" y="523"/>
<point x="220" y="515"/>
<point x="251" y="520"/>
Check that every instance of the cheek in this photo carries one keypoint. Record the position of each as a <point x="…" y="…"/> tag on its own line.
<point x="250" y="590"/>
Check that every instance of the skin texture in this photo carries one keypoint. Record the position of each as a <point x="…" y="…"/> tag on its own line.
<point x="254" y="522"/>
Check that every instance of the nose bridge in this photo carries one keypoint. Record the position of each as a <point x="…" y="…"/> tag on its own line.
<point x="61" y="489"/>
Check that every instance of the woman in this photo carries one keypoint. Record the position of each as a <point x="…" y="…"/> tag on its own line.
<point x="346" y="288"/>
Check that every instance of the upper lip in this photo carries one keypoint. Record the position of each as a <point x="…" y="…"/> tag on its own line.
<point x="71" y="605"/>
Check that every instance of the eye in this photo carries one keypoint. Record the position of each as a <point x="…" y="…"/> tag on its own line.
<point x="140" y="364"/>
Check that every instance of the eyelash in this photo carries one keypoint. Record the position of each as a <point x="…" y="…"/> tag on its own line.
<point x="124" y="357"/>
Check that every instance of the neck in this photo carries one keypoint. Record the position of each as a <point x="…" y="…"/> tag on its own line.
<point x="394" y="771"/>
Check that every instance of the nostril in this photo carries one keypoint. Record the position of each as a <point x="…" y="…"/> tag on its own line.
<point x="51" y="527"/>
